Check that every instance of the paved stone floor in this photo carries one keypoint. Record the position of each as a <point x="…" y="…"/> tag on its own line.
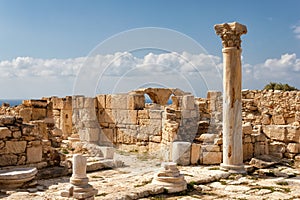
<point x="204" y="182"/>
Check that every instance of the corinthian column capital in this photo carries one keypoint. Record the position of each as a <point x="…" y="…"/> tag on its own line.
<point x="230" y="33"/>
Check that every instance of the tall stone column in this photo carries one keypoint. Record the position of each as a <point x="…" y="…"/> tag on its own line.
<point x="232" y="106"/>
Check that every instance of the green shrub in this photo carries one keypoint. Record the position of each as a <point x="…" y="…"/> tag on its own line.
<point x="279" y="86"/>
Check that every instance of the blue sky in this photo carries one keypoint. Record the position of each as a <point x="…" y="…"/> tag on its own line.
<point x="38" y="32"/>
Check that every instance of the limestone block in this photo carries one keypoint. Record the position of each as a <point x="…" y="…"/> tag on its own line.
<point x="127" y="116"/>
<point x="15" y="146"/>
<point x="208" y="138"/>
<point x="89" y="102"/>
<point x="293" y="148"/>
<point x="276" y="132"/>
<point x="293" y="134"/>
<point x="155" y="138"/>
<point x="116" y="101"/>
<point x="41" y="128"/>
<point x="186" y="114"/>
<point x="144" y="121"/>
<point x="107" y="135"/>
<point x="66" y="122"/>
<point x="77" y="102"/>
<point x="5" y="132"/>
<point x="212" y="95"/>
<point x="247" y="128"/>
<point x="155" y="114"/>
<point x="211" y="158"/>
<point x="278" y="119"/>
<point x="108" y="152"/>
<point x="188" y="102"/>
<point x="155" y="148"/>
<point x="181" y="153"/>
<point x="7" y="120"/>
<point x="57" y="103"/>
<point x="195" y="153"/>
<point x="266" y="119"/>
<point x="277" y="147"/>
<point x="36" y="103"/>
<point x="107" y="116"/>
<point x="16" y="134"/>
<point x="135" y="102"/>
<point x="247" y="151"/>
<point x="34" y="154"/>
<point x="89" y="134"/>
<point x="260" y="148"/>
<point x="8" y="159"/>
<point x="101" y="99"/>
<point x="39" y="113"/>
<point x="26" y="113"/>
<point x="143" y="114"/>
<point x="210" y="148"/>
<point x="259" y="137"/>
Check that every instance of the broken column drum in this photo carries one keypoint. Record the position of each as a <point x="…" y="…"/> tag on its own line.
<point x="232" y="105"/>
<point x="79" y="187"/>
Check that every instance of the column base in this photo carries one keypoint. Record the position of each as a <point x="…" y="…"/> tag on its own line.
<point x="234" y="169"/>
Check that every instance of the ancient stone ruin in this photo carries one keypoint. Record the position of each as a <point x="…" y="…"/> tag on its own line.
<point x="176" y="128"/>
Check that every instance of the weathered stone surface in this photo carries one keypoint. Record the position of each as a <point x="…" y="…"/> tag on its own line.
<point x="101" y="98"/>
<point x="108" y="152"/>
<point x="195" y="153"/>
<point x="127" y="116"/>
<point x="188" y="102"/>
<point x="39" y="113"/>
<point x="275" y="132"/>
<point x="26" y="113"/>
<point x="247" y="151"/>
<point x="293" y="148"/>
<point x="15" y="146"/>
<point x="37" y="103"/>
<point x="211" y="158"/>
<point x="16" y="177"/>
<point x="247" y="128"/>
<point x="7" y="120"/>
<point x="208" y="138"/>
<point x="8" y="159"/>
<point x="34" y="154"/>
<point x="5" y="132"/>
<point x="264" y="161"/>
<point x="181" y="153"/>
<point x="170" y="178"/>
<point x="278" y="119"/>
<point x="135" y="102"/>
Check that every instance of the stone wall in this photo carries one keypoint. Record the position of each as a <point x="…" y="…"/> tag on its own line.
<point x="270" y="125"/>
<point x="28" y="135"/>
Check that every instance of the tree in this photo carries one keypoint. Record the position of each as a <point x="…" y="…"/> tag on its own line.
<point x="279" y="86"/>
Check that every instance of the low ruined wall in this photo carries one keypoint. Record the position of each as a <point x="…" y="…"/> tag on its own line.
<point x="21" y="143"/>
<point x="28" y="135"/>
<point x="270" y="125"/>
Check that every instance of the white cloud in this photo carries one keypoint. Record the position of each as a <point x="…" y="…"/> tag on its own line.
<point x="285" y="69"/>
<point x="172" y="69"/>
<point x="296" y="31"/>
<point x="35" y="67"/>
<point x="122" y="71"/>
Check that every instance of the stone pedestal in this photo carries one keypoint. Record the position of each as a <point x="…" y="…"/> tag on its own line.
<point x="79" y="187"/>
<point x="181" y="153"/>
<point x="170" y="178"/>
<point x="15" y="178"/>
<point x="232" y="105"/>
